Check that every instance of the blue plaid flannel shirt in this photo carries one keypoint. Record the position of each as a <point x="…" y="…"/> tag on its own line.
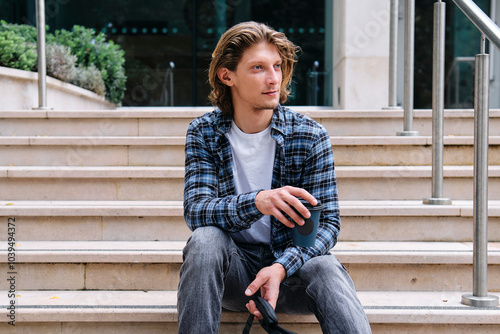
<point x="303" y="159"/>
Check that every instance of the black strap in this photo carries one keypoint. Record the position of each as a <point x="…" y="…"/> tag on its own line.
<point x="248" y="325"/>
<point x="275" y="330"/>
<point x="269" y="323"/>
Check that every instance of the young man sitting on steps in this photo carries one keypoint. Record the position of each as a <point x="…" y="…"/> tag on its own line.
<point x="247" y="164"/>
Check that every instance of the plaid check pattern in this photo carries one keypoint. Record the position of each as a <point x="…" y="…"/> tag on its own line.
<point x="303" y="159"/>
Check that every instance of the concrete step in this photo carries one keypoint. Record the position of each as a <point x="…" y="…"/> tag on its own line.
<point x="166" y="183"/>
<point x="91" y="183"/>
<point x="169" y="150"/>
<point x="174" y="121"/>
<point x="69" y="244"/>
<point x="407" y="151"/>
<point x="413" y="221"/>
<point x="91" y="151"/>
<point x="99" y="123"/>
<point x="97" y="220"/>
<point x="409" y="182"/>
<point x="155" y="265"/>
<point x="163" y="220"/>
<point x="132" y="312"/>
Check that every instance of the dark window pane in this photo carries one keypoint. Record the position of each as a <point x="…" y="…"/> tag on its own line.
<point x="158" y="35"/>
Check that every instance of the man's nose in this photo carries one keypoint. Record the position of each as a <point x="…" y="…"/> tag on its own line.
<point x="273" y="77"/>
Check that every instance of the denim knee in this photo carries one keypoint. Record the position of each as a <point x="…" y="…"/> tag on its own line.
<point x="207" y="243"/>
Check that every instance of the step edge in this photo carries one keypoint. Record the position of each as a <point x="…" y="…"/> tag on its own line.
<point x="389" y="309"/>
<point x="171" y="252"/>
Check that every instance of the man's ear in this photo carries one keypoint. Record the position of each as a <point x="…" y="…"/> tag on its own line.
<point x="224" y="75"/>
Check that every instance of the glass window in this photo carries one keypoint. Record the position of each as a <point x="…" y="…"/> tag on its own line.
<point x="462" y="44"/>
<point x="168" y="44"/>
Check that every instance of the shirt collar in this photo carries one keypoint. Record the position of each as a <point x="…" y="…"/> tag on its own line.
<point x="222" y="124"/>
<point x="278" y="120"/>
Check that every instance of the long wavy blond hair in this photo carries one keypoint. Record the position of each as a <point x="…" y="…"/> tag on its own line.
<point x="229" y="51"/>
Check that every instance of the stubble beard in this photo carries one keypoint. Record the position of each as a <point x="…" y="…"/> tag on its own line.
<point x="266" y="106"/>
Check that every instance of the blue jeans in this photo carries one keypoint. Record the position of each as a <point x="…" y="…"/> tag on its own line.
<point x="216" y="271"/>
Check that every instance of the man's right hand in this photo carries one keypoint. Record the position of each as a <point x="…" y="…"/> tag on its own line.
<point x="276" y="201"/>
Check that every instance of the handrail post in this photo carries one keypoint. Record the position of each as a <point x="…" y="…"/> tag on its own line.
<point x="172" y="66"/>
<point x="393" y="55"/>
<point x="480" y="297"/>
<point x="42" y="68"/>
<point x="409" y="69"/>
<point x="438" y="106"/>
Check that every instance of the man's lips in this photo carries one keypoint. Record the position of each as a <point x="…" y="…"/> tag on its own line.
<point x="271" y="92"/>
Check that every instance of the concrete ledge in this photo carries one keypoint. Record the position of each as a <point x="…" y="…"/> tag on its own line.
<point x="118" y="113"/>
<point x="190" y="112"/>
<point x="163" y="220"/>
<point x="178" y="172"/>
<point x="99" y="251"/>
<point x="396" y="140"/>
<point x="19" y="90"/>
<point x="93" y="172"/>
<point x="175" y="208"/>
<point x="161" y="121"/>
<point x="90" y="141"/>
<point x="394" y="252"/>
<point x="408" y="171"/>
<point x="14" y="141"/>
<point x="180" y="140"/>
<point x="100" y="150"/>
<point x="91" y="208"/>
<point x="403" y="307"/>
<point x="171" y="252"/>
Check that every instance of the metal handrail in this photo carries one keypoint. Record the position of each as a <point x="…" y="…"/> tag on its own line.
<point x="438" y="106"/>
<point x="393" y="54"/>
<point x="482" y="21"/>
<point x="409" y="65"/>
<point x="167" y="95"/>
<point x="42" y="68"/>
<point x="480" y="297"/>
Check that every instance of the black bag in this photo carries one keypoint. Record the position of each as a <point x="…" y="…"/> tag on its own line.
<point x="269" y="321"/>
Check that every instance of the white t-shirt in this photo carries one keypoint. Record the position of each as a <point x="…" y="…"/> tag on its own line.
<point x="253" y="161"/>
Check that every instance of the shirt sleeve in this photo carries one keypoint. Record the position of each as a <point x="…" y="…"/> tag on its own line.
<point x="203" y="203"/>
<point x="319" y="179"/>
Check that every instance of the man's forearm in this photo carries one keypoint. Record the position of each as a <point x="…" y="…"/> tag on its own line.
<point x="231" y="213"/>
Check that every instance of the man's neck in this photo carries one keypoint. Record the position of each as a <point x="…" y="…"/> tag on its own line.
<point x="254" y="121"/>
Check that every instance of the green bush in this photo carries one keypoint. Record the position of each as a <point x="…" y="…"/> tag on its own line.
<point x="61" y="64"/>
<point x="90" y="78"/>
<point x="79" y="56"/>
<point x="91" y="48"/>
<point x="15" y="52"/>
<point x="23" y="30"/>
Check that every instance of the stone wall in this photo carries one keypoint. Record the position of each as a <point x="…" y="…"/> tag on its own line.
<point x="19" y="91"/>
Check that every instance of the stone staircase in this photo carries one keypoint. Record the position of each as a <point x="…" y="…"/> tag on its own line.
<point x="97" y="202"/>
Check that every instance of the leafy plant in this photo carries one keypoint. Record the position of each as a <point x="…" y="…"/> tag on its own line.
<point x="91" y="48"/>
<point x="15" y="52"/>
<point x="23" y="30"/>
<point x="61" y="64"/>
<point x="90" y="78"/>
<point x="79" y="56"/>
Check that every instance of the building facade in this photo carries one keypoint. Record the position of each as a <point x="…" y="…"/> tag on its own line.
<point x="343" y="64"/>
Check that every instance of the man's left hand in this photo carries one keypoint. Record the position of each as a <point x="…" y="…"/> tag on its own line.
<point x="268" y="280"/>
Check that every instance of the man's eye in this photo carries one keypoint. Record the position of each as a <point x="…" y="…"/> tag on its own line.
<point x="278" y="66"/>
<point x="257" y="67"/>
